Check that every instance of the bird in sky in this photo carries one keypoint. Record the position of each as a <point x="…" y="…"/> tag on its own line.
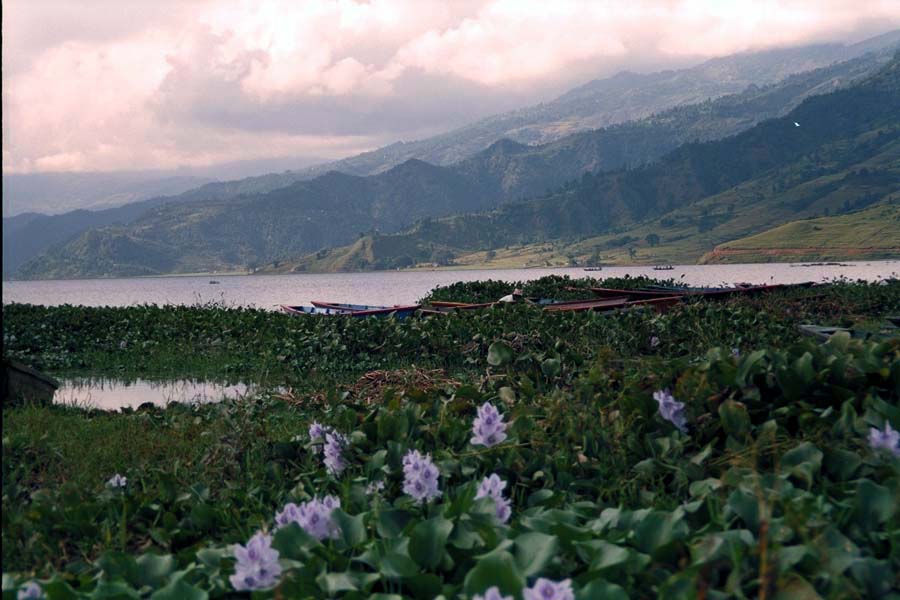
<point x="796" y="124"/>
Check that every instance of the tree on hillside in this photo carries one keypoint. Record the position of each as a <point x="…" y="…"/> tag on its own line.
<point x="652" y="239"/>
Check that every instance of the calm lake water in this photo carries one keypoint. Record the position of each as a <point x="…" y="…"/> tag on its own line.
<point x="112" y="394"/>
<point x="389" y="287"/>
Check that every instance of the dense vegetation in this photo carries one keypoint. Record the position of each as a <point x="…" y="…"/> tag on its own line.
<point x="765" y="483"/>
<point x="236" y="226"/>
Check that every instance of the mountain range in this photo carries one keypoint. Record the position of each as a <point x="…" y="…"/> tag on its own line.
<point x="275" y="218"/>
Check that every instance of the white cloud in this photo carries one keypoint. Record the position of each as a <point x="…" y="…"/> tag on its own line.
<point x="108" y="84"/>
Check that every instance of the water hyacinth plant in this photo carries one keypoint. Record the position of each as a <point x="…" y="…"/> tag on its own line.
<point x="30" y="591"/>
<point x="334" y="450"/>
<point x="492" y="487"/>
<point x="257" y="566"/>
<point x="887" y="440"/>
<point x="545" y="589"/>
<point x="313" y="516"/>
<point x="488" y="429"/>
<point x="671" y="409"/>
<point x="420" y="476"/>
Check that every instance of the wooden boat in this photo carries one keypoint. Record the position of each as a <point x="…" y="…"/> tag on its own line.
<point x="711" y="293"/>
<point x="581" y="305"/>
<point x="593" y="268"/>
<point x="630" y="294"/>
<point x="21" y="383"/>
<point x="352" y="310"/>
<point x="663" y="268"/>
<point x="445" y="306"/>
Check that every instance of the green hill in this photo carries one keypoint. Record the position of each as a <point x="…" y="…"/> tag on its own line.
<point x="872" y="233"/>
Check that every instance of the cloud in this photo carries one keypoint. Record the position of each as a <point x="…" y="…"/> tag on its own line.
<point x="115" y="84"/>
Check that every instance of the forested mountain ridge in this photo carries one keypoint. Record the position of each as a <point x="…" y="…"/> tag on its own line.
<point x="623" y="97"/>
<point x="835" y="152"/>
<point x="246" y="230"/>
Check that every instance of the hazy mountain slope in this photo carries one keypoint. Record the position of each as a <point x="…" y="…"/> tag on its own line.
<point x="241" y="230"/>
<point x="623" y="97"/>
<point x="55" y="193"/>
<point x="844" y="155"/>
<point x="338" y="207"/>
<point x="27" y="235"/>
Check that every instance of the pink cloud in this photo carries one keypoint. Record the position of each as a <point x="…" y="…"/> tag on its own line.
<point x="108" y="85"/>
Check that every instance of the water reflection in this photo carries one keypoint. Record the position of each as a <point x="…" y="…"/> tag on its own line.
<point x="113" y="394"/>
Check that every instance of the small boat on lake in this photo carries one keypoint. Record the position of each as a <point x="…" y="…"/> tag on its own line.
<point x="351" y="310"/>
<point x="593" y="268"/>
<point x="663" y="268"/>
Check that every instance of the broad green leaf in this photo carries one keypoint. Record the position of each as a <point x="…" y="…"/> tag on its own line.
<point x="534" y="551"/>
<point x="390" y="523"/>
<point x="154" y="569"/>
<point x="497" y="569"/>
<point x="179" y="590"/>
<point x="875" y="504"/>
<point x="353" y="530"/>
<point x="499" y="354"/>
<point x="804" y="462"/>
<point x="598" y="589"/>
<point x="428" y="539"/>
<point x="735" y="420"/>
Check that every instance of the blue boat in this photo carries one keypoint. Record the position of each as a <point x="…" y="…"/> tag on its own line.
<point x="352" y="310"/>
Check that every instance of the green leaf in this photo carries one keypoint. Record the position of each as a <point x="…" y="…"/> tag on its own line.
<point x="293" y="542"/>
<point x="397" y="565"/>
<point x="110" y="590"/>
<point x="499" y="354"/>
<point x="735" y="420"/>
<point x="534" y="551"/>
<point x="154" y="569"/>
<point x="427" y="541"/>
<point x="598" y="589"/>
<point x="657" y="529"/>
<point x="353" y="529"/>
<point x="390" y="523"/>
<point x="551" y="367"/>
<point x="179" y="590"/>
<point x="118" y="565"/>
<point x="496" y="569"/>
<point x="875" y="504"/>
<point x="802" y="462"/>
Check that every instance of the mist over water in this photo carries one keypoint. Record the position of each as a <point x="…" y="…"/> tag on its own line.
<point x="391" y="287"/>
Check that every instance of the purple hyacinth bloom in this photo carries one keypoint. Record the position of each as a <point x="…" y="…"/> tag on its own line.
<point x="334" y="448"/>
<point x="117" y="481"/>
<point x="420" y="476"/>
<point x="317" y="431"/>
<point x="313" y="516"/>
<point x="375" y="487"/>
<point x="544" y="589"/>
<point x="492" y="487"/>
<point x="888" y="439"/>
<point x="30" y="591"/>
<point x="257" y="566"/>
<point x="488" y="429"/>
<point x="654" y="341"/>
<point x="492" y="593"/>
<point x="671" y="409"/>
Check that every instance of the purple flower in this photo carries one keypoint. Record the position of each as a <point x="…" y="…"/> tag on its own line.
<point x="334" y="448"/>
<point x="317" y="431"/>
<point x="492" y="487"/>
<point x="30" y="591"/>
<point x="117" y="481"/>
<point x="488" y="429"/>
<point x="420" y="476"/>
<point x="313" y="516"/>
<point x="492" y="593"/>
<point x="671" y="409"/>
<point x="257" y="565"/>
<point x="375" y="487"/>
<point x="544" y="589"/>
<point x="654" y="341"/>
<point x="889" y="439"/>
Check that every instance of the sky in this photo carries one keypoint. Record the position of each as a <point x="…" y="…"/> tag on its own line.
<point x="105" y="85"/>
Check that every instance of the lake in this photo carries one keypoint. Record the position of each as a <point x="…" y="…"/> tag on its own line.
<point x="389" y="287"/>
